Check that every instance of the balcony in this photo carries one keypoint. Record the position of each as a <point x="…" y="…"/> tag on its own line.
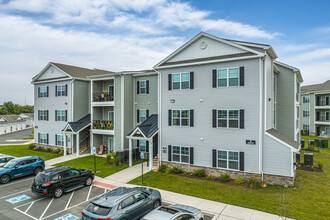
<point x="324" y="120"/>
<point x="103" y="99"/>
<point x="322" y="103"/>
<point x="103" y="127"/>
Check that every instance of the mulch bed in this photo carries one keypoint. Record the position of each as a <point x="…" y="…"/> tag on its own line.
<point x="230" y="182"/>
<point x="315" y="169"/>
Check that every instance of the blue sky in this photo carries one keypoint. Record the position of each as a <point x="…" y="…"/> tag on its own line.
<point x="136" y="34"/>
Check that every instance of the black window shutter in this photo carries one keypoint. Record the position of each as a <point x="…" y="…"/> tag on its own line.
<point x="214" y="78"/>
<point x="191" y="80"/>
<point x="55" y="90"/>
<point x="241" y="118"/>
<point x="47" y="114"/>
<point x="66" y="115"/>
<point x="241" y="76"/>
<point x="47" y="138"/>
<point x="169" y="81"/>
<point x="47" y="91"/>
<point x="169" y="117"/>
<point x="38" y="137"/>
<point x="147" y="86"/>
<point x="138" y="116"/>
<point x="147" y="146"/>
<point x="66" y="89"/>
<point x="56" y="139"/>
<point x="191" y="155"/>
<point x="138" y="87"/>
<point x="55" y="115"/>
<point x="214" y="118"/>
<point x="38" y="92"/>
<point x="191" y="118"/>
<point x="147" y="113"/>
<point x="241" y="161"/>
<point x="39" y="115"/>
<point x="169" y="153"/>
<point x="138" y="144"/>
<point x="214" y="158"/>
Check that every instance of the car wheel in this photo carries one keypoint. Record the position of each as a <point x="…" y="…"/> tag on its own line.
<point x="58" y="192"/>
<point x="156" y="204"/>
<point x="5" y="179"/>
<point x="37" y="170"/>
<point x="88" y="181"/>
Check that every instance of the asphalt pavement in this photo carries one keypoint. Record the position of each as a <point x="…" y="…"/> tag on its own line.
<point x="16" y="137"/>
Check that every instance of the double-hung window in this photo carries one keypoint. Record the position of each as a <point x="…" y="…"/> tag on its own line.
<point x="228" y="77"/>
<point x="305" y="99"/>
<point x="142" y="115"/>
<point x="305" y="113"/>
<point x="43" y="115"/>
<point x="60" y="140"/>
<point x="180" y="81"/>
<point x="228" y="159"/>
<point x="61" y="90"/>
<point x="180" y="117"/>
<point x="305" y="127"/>
<point x="43" y="138"/>
<point x="180" y="154"/>
<point x="43" y="92"/>
<point x="143" y="87"/>
<point x="228" y="118"/>
<point x="60" y="116"/>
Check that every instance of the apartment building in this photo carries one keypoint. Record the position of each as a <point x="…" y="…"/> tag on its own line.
<point x="61" y="106"/>
<point x="315" y="109"/>
<point x="220" y="107"/>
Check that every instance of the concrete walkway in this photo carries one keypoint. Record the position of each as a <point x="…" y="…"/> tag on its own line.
<point x="61" y="159"/>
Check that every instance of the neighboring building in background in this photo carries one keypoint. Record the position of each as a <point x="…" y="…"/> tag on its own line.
<point x="10" y="123"/>
<point x="61" y="97"/>
<point x="315" y="109"/>
<point x="29" y="117"/>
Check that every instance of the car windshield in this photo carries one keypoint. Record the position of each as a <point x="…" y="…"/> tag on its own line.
<point x="41" y="178"/>
<point x="9" y="164"/>
<point x="98" y="210"/>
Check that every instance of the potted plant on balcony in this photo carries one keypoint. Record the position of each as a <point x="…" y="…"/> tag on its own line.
<point x="105" y="93"/>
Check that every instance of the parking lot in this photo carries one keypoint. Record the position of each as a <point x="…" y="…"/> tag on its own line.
<point x="18" y="202"/>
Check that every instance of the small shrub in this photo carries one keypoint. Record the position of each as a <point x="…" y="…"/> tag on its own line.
<point x="320" y="165"/>
<point x="113" y="159"/>
<point x="56" y="150"/>
<point x="40" y="149"/>
<point x="240" y="180"/>
<point x="186" y="173"/>
<point x="200" y="173"/>
<point x="225" y="177"/>
<point x="162" y="168"/>
<point x="61" y="152"/>
<point x="108" y="158"/>
<point x="31" y="146"/>
<point x="177" y="170"/>
<point x="210" y="177"/>
<point x="169" y="170"/>
<point x="48" y="149"/>
<point x="254" y="182"/>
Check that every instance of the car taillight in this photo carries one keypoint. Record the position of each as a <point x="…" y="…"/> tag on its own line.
<point x="104" y="219"/>
<point x="33" y="181"/>
<point x="46" y="184"/>
<point x="82" y="213"/>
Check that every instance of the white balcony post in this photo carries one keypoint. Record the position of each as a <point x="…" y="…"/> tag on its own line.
<point x="77" y="144"/>
<point x="64" y="147"/>
<point x="91" y="142"/>
<point x="150" y="154"/>
<point x="130" y="152"/>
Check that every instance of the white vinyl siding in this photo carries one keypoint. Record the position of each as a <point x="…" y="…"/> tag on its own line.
<point x="228" y="77"/>
<point x="180" y="154"/>
<point x="228" y="118"/>
<point x="228" y="159"/>
<point x="180" y="81"/>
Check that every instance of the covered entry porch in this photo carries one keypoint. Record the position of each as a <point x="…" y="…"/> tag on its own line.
<point x="77" y="136"/>
<point x="145" y="136"/>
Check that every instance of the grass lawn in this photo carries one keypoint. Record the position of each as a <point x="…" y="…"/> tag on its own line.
<point x="309" y="199"/>
<point x="28" y="138"/>
<point x="102" y="168"/>
<point x="22" y="150"/>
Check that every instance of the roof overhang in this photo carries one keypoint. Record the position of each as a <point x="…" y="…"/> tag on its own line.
<point x="50" y="64"/>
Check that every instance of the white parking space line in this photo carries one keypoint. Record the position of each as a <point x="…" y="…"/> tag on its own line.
<point x="14" y="194"/>
<point x="29" y="207"/>
<point x="25" y="214"/>
<point x="89" y="192"/>
<point x="69" y="201"/>
<point x="15" y="182"/>
<point x="30" y="202"/>
<point x="46" y="208"/>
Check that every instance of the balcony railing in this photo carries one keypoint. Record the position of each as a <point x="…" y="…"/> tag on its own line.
<point x="323" y="119"/>
<point x="102" y="97"/>
<point x="102" y="124"/>
<point x="322" y="103"/>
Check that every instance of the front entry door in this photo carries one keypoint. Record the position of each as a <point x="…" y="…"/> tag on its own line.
<point x="110" y="145"/>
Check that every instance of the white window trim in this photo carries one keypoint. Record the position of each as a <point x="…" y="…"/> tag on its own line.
<point x="228" y="118"/>
<point x="57" y="110"/>
<point x="180" y="118"/>
<point x="180" y="154"/>
<point x="181" y="81"/>
<point x="57" y="136"/>
<point x="140" y="115"/>
<point x="228" y="77"/>
<point x="45" y="138"/>
<point x="63" y="88"/>
<point x="145" y="87"/>
<point x="238" y="161"/>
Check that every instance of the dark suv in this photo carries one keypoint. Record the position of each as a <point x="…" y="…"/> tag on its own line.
<point x="56" y="181"/>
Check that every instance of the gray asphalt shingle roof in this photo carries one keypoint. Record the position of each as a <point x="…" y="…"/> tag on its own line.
<point x="149" y="127"/>
<point x="81" y="123"/>
<point x="10" y="118"/>
<point x="316" y="87"/>
<point x="283" y="138"/>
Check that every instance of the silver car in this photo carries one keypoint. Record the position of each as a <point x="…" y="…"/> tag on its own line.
<point x="175" y="212"/>
<point x="4" y="159"/>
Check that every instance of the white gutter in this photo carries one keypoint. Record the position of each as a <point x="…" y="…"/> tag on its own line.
<point x="122" y="93"/>
<point x="159" y="116"/>
<point x="72" y="98"/>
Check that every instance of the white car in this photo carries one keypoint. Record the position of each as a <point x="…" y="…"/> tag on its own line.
<point x="4" y="159"/>
<point x="174" y="212"/>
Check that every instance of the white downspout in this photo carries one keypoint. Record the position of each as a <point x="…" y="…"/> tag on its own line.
<point x="262" y="108"/>
<point x="159" y="117"/>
